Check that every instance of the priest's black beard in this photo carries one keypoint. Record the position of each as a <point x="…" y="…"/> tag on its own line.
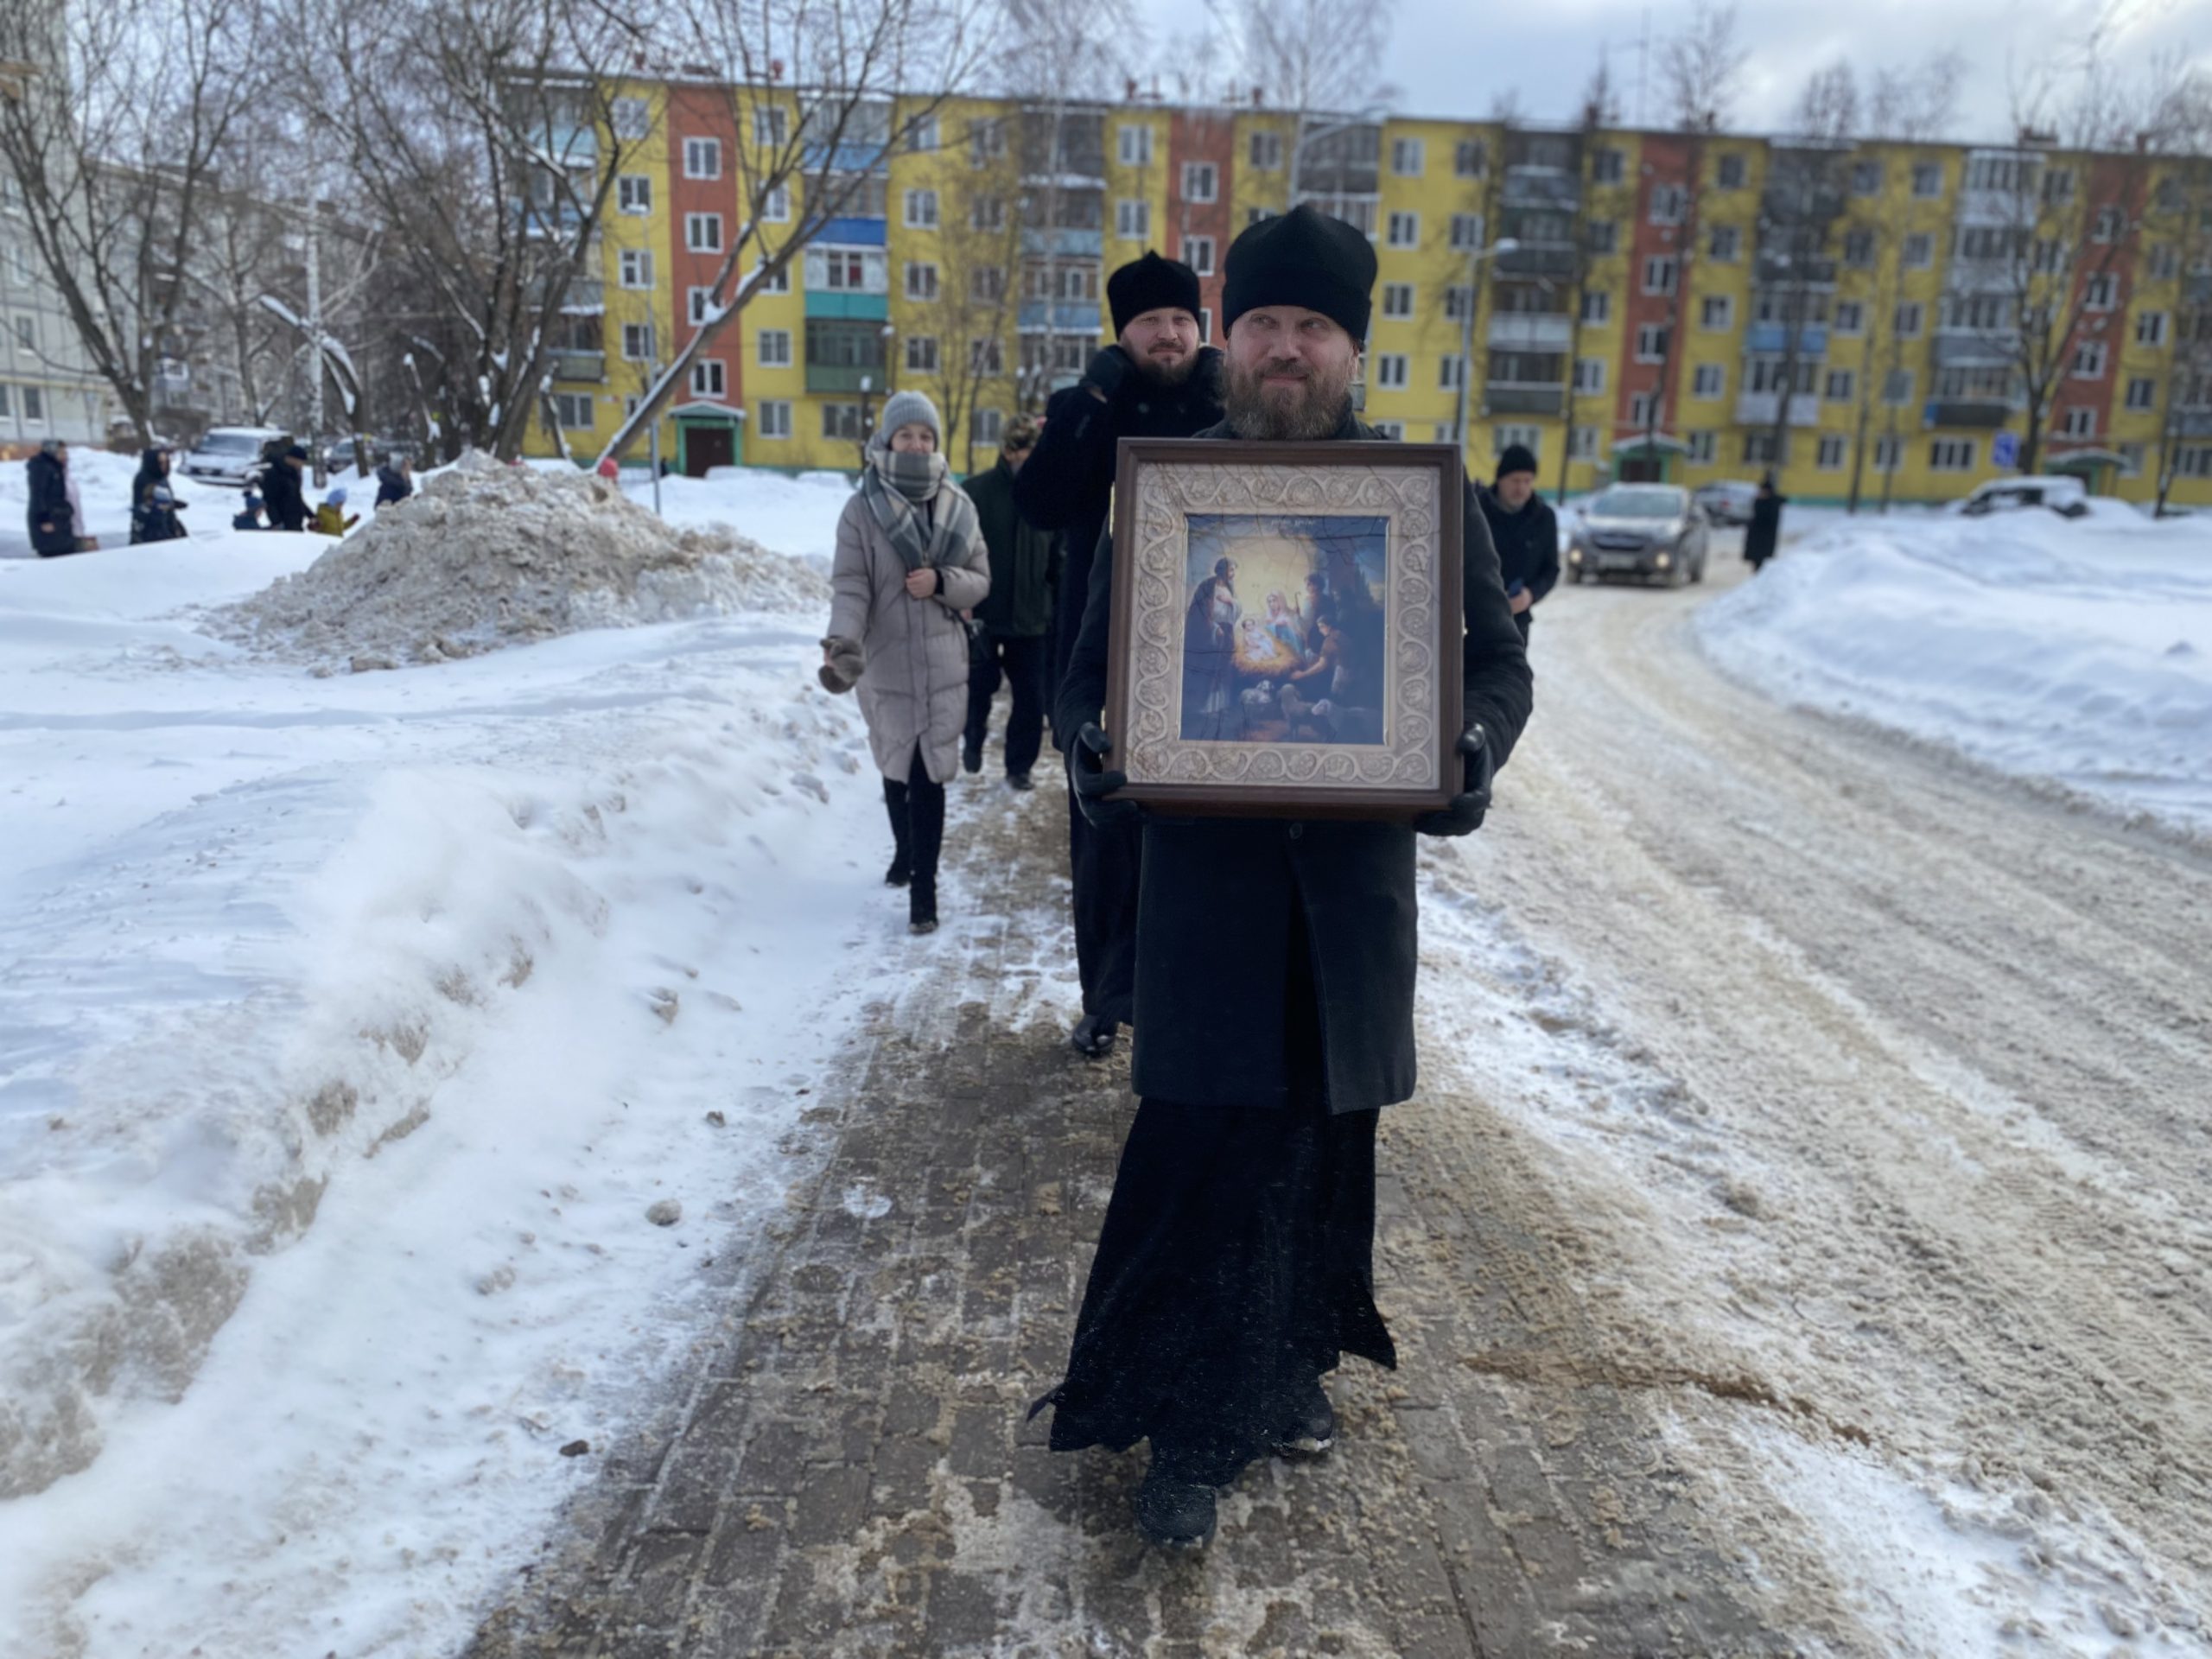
<point x="1163" y="374"/>
<point x="1316" y="412"/>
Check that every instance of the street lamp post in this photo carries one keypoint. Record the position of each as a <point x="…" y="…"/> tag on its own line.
<point x="1475" y="256"/>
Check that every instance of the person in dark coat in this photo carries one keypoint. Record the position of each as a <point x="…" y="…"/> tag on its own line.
<point x="283" y="490"/>
<point x="1275" y="996"/>
<point x="53" y="519"/>
<point x="1526" y="531"/>
<point x="1761" y="540"/>
<point x="153" y="505"/>
<point x="1016" y="641"/>
<point x="1155" y="381"/>
<point x="395" y="480"/>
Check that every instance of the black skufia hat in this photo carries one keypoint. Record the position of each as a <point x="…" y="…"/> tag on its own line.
<point x="1302" y="258"/>
<point x="1149" y="284"/>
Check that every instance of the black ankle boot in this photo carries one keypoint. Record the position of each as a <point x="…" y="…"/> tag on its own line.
<point x="1093" y="1037"/>
<point x="1175" y="1514"/>
<point x="1311" y="1429"/>
<point x="921" y="908"/>
<point x="899" y="873"/>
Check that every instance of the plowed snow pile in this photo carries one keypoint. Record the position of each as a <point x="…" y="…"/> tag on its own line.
<point x="485" y="556"/>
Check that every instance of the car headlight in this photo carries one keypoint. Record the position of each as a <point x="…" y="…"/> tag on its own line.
<point x="1574" y="552"/>
<point x="1664" y="561"/>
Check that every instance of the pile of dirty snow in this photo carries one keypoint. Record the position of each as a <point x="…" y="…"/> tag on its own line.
<point x="485" y="556"/>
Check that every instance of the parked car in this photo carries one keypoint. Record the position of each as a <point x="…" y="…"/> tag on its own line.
<point x="1640" y="529"/>
<point x="1727" y="501"/>
<point x="2068" y="497"/>
<point x="228" y="454"/>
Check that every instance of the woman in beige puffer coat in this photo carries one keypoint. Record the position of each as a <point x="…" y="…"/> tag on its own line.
<point x="909" y="560"/>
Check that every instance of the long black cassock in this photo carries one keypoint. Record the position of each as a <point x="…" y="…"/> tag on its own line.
<point x="1274" y="1018"/>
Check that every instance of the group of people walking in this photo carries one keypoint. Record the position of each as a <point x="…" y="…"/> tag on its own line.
<point x="1234" y="1265"/>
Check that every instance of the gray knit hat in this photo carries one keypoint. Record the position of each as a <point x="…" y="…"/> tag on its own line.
<point x="903" y="409"/>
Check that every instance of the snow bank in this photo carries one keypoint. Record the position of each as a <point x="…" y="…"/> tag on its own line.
<point x="2077" y="653"/>
<point x="485" y="556"/>
<point x="797" y="515"/>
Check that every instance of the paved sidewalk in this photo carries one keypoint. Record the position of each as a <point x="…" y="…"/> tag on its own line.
<point x="847" y="1470"/>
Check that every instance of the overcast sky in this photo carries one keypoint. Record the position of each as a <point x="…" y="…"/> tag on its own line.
<point x="1455" y="57"/>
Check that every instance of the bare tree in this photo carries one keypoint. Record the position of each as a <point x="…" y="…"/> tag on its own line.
<point x="115" y="120"/>
<point x="979" y="249"/>
<point x="1606" y="200"/>
<point x="1318" y="60"/>
<point x="1807" y="196"/>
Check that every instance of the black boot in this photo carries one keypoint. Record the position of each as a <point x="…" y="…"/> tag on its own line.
<point x="921" y="906"/>
<point x="971" y="758"/>
<point x="902" y="856"/>
<point x="1312" y="1428"/>
<point x="1174" y="1514"/>
<point x="1093" y="1037"/>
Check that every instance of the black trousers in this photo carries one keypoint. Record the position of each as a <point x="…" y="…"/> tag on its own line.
<point x="1021" y="663"/>
<point x="1106" y="866"/>
<point x="1235" y="1267"/>
<point x="917" y="812"/>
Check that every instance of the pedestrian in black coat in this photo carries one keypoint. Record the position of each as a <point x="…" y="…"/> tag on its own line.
<point x="1015" y="622"/>
<point x="1275" y="971"/>
<point x="1761" y="540"/>
<point x="283" y="492"/>
<point x="395" y="480"/>
<point x="1155" y="381"/>
<point x="52" y="518"/>
<point x="1526" y="532"/>
<point x="154" y="504"/>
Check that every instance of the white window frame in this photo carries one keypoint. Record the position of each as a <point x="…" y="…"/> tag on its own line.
<point x="1708" y="382"/>
<point x="1132" y="219"/>
<point x="644" y="330"/>
<point x="1198" y="254"/>
<point x="567" y="405"/>
<point x="1910" y="320"/>
<point x="771" y="125"/>
<point x="693" y="223"/>
<point x="1721" y="320"/>
<point x="634" y="194"/>
<point x="1586" y="378"/>
<point x="1668" y="202"/>
<point x="1951" y="454"/>
<point x="2101" y="292"/>
<point x="772" y="348"/>
<point x="1656" y="352"/>
<point x="1449" y="372"/>
<point x="1855" y="311"/>
<point x="1201" y="173"/>
<point x="2090" y="358"/>
<point x="921" y="136"/>
<point x="775" y="421"/>
<point x="2150" y="328"/>
<point x="1888" y="454"/>
<point x="634" y="268"/>
<point x="1829" y="452"/>
<point x="1847" y="379"/>
<point x="919" y="209"/>
<point x="921" y="354"/>
<point x="2142" y="394"/>
<point x="702" y="158"/>
<point x="1503" y="437"/>
<point x="1397" y="301"/>
<point x="1608" y="164"/>
<point x="1596" y="308"/>
<point x="1466" y="233"/>
<point x="775" y="206"/>
<point x="1264" y="153"/>
<point x="1408" y="157"/>
<point x="1667" y="268"/>
<point x="1918" y="252"/>
<point x="1132" y="142"/>
<point x="2079" y="421"/>
<point x="695" y="302"/>
<point x="990" y="426"/>
<point x="915" y="285"/>
<point x="1403" y="230"/>
<point x="631" y="119"/>
<point x="1703" y="447"/>
<point x="1391" y="371"/>
<point x="709" y="378"/>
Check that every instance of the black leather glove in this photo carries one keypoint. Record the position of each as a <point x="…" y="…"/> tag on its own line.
<point x="1109" y="370"/>
<point x="1465" y="815"/>
<point x="1093" y="784"/>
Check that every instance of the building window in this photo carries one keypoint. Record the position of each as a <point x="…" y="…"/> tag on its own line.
<point x="1530" y="438"/>
<point x="633" y="194"/>
<point x="1926" y="178"/>
<point x="1659" y="271"/>
<point x="1394" y="431"/>
<point x="774" y="348"/>
<point x="638" y="341"/>
<point x="986" y="214"/>
<point x="1642" y="410"/>
<point x="1897" y="387"/>
<point x="1729" y="172"/>
<point x="1910" y="316"/>
<point x="702" y="232"/>
<point x="921" y="280"/>
<point x="1589" y="376"/>
<point x="985" y="359"/>
<point x="1841" y="384"/>
<point x="1606" y="166"/>
<point x="632" y="119"/>
<point x="1919" y="250"/>
<point x="1408" y="157"/>
<point x="2089" y="360"/>
<point x="1390" y="370"/>
<point x="1450" y="372"/>
<point x="2142" y="393"/>
<point x="2162" y="263"/>
<point x="986" y="142"/>
<point x="2150" y="328"/>
<point x="775" y="420"/>
<point x="1205" y="325"/>
<point x="2078" y="423"/>
<point x="921" y="137"/>
<point x="1466" y="233"/>
<point x="1717" y="312"/>
<point x="770" y="124"/>
<point x="2131" y="460"/>
<point x="1859" y="250"/>
<point x="1458" y="302"/>
<point x="1652" y="343"/>
<point x="1597" y="306"/>
<point x="1708" y="381"/>
<point x="2108" y="222"/>
<point x="1726" y="243"/>
<point x="1198" y="254"/>
<point x="1865" y="178"/>
<point x="778" y="281"/>
<point x="989" y="425"/>
<point x="1468" y="159"/>
<point x="1702" y="447"/>
<point x="775" y="206"/>
<point x="1133" y="221"/>
<point x="707" y="380"/>
<point x="1199" y="181"/>
<point x="1888" y="452"/>
<point x="2101" y="292"/>
<point x="1136" y="145"/>
<point x="1667" y="201"/>
<point x="702" y="158"/>
<point x="842" y="421"/>
<point x="921" y="210"/>
<point x="1405" y="231"/>
<point x="1951" y="456"/>
<point x="1849" y="317"/>
<point x="987" y="284"/>
<point x="1265" y="152"/>
<point x="634" y="268"/>
<point x="1397" y="299"/>
<point x="1758" y="448"/>
<point x="2195" y="461"/>
<point x="921" y="353"/>
<point x="571" y="409"/>
<point x="1828" y="454"/>
<point x="699" y="304"/>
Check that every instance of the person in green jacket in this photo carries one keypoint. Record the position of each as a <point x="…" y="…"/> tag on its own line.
<point x="1014" y="641"/>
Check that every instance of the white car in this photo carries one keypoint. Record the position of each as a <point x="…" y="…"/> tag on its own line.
<point x="228" y="454"/>
<point x="2068" y="497"/>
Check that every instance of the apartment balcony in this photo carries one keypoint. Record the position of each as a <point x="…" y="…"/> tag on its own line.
<point x="578" y="366"/>
<point x="843" y="305"/>
<point x="1553" y="187"/>
<point x="845" y="376"/>
<point x="2193" y="423"/>
<point x="817" y="159"/>
<point x="1772" y="339"/>
<point x="854" y="231"/>
<point x="1547" y="259"/>
<point x="1066" y="317"/>
<point x="1995" y="208"/>
<point x="1064" y="244"/>
<point x="1974" y="348"/>
<point x="1982" y="413"/>
<point x="1758" y="408"/>
<point x="1531" y="330"/>
<point x="1789" y="271"/>
<point x="1793" y="201"/>
<point x="1521" y="399"/>
<point x="576" y="146"/>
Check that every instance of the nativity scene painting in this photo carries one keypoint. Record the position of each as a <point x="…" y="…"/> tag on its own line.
<point x="1283" y="632"/>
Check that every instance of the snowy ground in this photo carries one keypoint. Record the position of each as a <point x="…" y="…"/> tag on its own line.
<point x="351" y="1027"/>
<point x="2077" y="651"/>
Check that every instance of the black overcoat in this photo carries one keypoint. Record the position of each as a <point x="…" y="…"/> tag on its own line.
<point x="1067" y="483"/>
<point x="49" y="504"/>
<point x="1765" y="528"/>
<point x="1215" y="911"/>
<point x="1526" y="543"/>
<point x="1024" y="560"/>
<point x="283" y="495"/>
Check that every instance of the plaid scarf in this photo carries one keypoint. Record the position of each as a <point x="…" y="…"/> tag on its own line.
<point x="896" y="484"/>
